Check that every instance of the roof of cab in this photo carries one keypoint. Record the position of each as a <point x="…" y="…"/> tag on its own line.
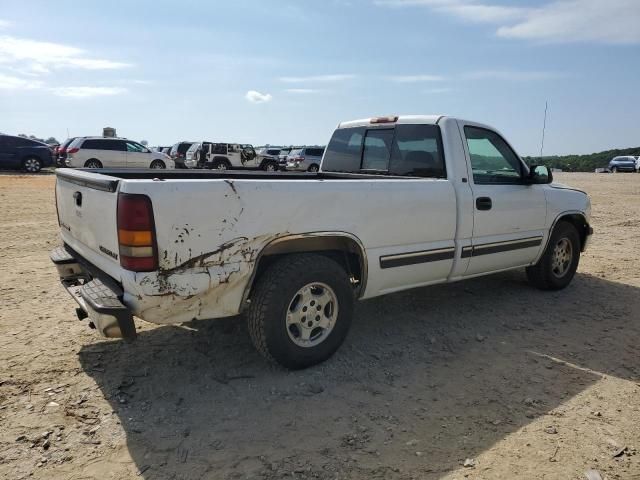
<point x="425" y="119"/>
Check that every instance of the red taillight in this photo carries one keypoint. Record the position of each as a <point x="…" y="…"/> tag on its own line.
<point x="73" y="150"/>
<point x="137" y="233"/>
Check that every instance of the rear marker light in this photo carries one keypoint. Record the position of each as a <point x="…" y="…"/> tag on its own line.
<point x="389" y="119"/>
<point x="73" y="150"/>
<point x="136" y="233"/>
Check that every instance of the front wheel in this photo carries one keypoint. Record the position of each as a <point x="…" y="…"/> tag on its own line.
<point x="559" y="262"/>
<point x="32" y="164"/>
<point x="313" y="168"/>
<point x="270" y="167"/>
<point x="157" y="164"/>
<point x="614" y="169"/>
<point x="301" y="310"/>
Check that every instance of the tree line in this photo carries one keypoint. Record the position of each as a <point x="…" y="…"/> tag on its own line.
<point x="582" y="163"/>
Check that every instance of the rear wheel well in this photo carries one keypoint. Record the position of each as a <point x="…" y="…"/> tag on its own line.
<point x="345" y="251"/>
<point x="580" y="224"/>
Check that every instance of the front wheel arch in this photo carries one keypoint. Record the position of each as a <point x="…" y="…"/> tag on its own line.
<point x="579" y="221"/>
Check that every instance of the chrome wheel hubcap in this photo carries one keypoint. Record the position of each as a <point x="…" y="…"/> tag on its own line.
<point x="31" y="165"/>
<point x="222" y="166"/>
<point x="312" y="314"/>
<point x="157" y="166"/>
<point x="562" y="258"/>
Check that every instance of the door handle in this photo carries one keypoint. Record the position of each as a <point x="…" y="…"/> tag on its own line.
<point x="483" y="203"/>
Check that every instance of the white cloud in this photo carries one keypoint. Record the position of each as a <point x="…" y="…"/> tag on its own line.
<point x="437" y="90"/>
<point x="468" y="10"/>
<point x="86" y="92"/>
<point x="598" y="21"/>
<point x="8" y="82"/>
<point x="4" y="23"/>
<point x="415" y="78"/>
<point x="611" y="21"/>
<point x="22" y="51"/>
<point x="318" y="78"/>
<point x="514" y="75"/>
<point x="301" y="90"/>
<point x="257" y="97"/>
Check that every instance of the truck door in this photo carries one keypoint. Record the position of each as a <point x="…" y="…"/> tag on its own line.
<point x="509" y="215"/>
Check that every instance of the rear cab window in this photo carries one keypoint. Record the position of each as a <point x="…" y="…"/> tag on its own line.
<point x="413" y="150"/>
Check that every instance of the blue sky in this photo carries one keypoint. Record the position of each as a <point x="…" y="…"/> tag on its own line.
<point x="287" y="71"/>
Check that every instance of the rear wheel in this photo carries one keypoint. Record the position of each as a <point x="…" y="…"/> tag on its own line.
<point x="157" y="164"/>
<point x="559" y="263"/>
<point x="32" y="164"/>
<point x="93" y="163"/>
<point x="313" y="168"/>
<point x="220" y="164"/>
<point x="301" y="310"/>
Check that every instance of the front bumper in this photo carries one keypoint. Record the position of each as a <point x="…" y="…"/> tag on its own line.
<point x="98" y="296"/>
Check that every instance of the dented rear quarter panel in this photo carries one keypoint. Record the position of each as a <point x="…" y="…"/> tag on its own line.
<point x="210" y="233"/>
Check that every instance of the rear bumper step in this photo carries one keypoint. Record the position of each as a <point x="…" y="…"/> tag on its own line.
<point x="100" y="300"/>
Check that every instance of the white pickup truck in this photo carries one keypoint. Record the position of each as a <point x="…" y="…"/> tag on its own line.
<point x="399" y="202"/>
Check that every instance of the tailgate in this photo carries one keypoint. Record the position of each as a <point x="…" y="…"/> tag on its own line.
<point x="87" y="207"/>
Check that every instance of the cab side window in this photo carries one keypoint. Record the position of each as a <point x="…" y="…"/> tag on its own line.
<point x="492" y="160"/>
<point x="417" y="152"/>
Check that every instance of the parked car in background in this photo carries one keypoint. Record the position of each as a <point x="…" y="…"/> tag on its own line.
<point x="193" y="156"/>
<point x="625" y="163"/>
<point x="24" y="153"/>
<point x="104" y="152"/>
<point x="178" y="152"/>
<point x="638" y="164"/>
<point x="61" y="152"/>
<point x="271" y="154"/>
<point x="225" y="156"/>
<point x="306" y="159"/>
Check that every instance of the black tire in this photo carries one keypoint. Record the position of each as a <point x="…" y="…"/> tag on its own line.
<point x="32" y="164"/>
<point x="543" y="274"/>
<point x="275" y="292"/>
<point x="313" y="168"/>
<point x="270" y="166"/>
<point x="614" y="169"/>
<point x="158" y="164"/>
<point x="93" y="163"/>
<point x="220" y="164"/>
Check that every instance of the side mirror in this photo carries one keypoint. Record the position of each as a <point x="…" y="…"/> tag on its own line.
<point x="539" y="175"/>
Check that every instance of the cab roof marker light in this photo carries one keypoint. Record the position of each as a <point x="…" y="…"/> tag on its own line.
<point x="388" y="119"/>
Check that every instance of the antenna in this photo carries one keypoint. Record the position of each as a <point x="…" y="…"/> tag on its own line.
<point x="544" y="127"/>
<point x="68" y="132"/>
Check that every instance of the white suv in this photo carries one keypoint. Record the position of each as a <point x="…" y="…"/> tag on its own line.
<point x="99" y="152"/>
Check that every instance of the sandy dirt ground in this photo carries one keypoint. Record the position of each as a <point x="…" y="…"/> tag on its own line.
<point x="517" y="383"/>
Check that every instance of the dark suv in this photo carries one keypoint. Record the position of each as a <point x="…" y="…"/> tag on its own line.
<point x="24" y="153"/>
<point x="178" y="153"/>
